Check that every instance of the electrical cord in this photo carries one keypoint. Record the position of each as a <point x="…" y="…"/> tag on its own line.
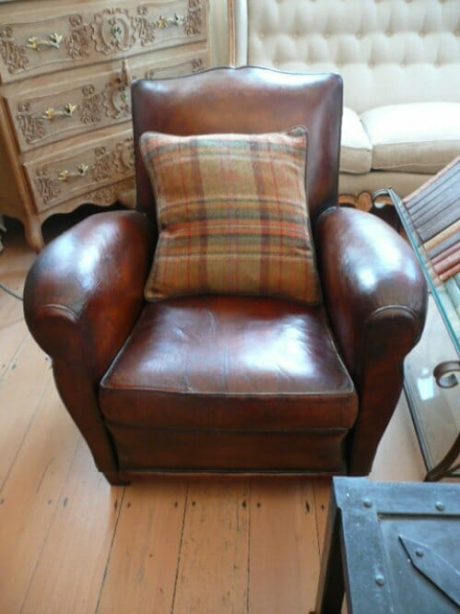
<point x="10" y="292"/>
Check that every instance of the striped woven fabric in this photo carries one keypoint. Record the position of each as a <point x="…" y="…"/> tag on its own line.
<point x="232" y="215"/>
<point x="434" y="213"/>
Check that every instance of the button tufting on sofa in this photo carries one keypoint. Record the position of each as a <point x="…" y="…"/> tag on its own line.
<point x="400" y="62"/>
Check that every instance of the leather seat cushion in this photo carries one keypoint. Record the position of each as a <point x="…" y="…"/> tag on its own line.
<point x="414" y="138"/>
<point x="355" y="148"/>
<point x="226" y="363"/>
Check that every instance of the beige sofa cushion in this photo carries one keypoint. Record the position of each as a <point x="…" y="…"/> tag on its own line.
<point x="356" y="149"/>
<point x="414" y="138"/>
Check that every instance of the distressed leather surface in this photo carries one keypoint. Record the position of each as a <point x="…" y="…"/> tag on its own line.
<point x="376" y="297"/>
<point x="230" y="362"/>
<point x="246" y="100"/>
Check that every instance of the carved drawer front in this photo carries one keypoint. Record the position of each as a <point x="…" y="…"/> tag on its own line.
<point x="151" y="68"/>
<point x="82" y="104"/>
<point x="63" y="35"/>
<point x="76" y="170"/>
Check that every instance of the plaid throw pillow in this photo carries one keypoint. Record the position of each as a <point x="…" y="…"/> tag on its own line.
<point x="232" y="215"/>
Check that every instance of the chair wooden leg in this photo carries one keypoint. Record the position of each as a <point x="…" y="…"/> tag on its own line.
<point x="113" y="477"/>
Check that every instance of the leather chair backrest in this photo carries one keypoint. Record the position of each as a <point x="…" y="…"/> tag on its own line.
<point x="245" y="100"/>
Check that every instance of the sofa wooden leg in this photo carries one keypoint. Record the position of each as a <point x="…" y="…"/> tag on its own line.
<point x="381" y="206"/>
<point x="363" y="201"/>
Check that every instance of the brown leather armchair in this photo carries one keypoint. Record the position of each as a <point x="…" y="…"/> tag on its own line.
<point x="225" y="383"/>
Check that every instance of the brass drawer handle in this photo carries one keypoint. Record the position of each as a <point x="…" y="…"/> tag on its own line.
<point x="81" y="171"/>
<point x="54" y="40"/>
<point x="67" y="111"/>
<point x="126" y="78"/>
<point x="165" y="22"/>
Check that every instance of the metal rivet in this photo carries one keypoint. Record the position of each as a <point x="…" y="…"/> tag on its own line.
<point x="419" y="552"/>
<point x="379" y="580"/>
<point x="440" y="506"/>
<point x="367" y="503"/>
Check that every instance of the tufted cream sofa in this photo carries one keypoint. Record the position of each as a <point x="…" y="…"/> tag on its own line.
<point x="400" y="61"/>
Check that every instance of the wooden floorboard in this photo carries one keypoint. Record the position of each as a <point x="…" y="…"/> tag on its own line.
<point x="31" y="495"/>
<point x="398" y="456"/>
<point x="69" y="543"/>
<point x="11" y="338"/>
<point x="142" y="565"/>
<point x="73" y="560"/>
<point x="322" y="494"/>
<point x="21" y="390"/>
<point x="212" y="573"/>
<point x="284" y="555"/>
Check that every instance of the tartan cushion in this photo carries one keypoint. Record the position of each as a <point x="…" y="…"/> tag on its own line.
<point x="232" y="215"/>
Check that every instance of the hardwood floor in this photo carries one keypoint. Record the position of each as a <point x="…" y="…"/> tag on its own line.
<point x="69" y="543"/>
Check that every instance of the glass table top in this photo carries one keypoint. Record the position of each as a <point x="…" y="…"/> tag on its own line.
<point x="435" y="410"/>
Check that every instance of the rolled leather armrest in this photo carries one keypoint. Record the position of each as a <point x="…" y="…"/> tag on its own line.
<point x="85" y="290"/>
<point x="376" y="298"/>
<point x="82" y="298"/>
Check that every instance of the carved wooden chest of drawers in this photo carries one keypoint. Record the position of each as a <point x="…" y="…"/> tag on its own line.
<point x="65" y="113"/>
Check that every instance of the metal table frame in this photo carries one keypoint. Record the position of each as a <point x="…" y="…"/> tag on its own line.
<point x="443" y="373"/>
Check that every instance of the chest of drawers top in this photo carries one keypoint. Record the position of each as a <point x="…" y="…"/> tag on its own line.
<point x="66" y="68"/>
<point x="48" y="36"/>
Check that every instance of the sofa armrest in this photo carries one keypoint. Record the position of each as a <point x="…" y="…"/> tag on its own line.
<point x="82" y="298"/>
<point x="376" y="298"/>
